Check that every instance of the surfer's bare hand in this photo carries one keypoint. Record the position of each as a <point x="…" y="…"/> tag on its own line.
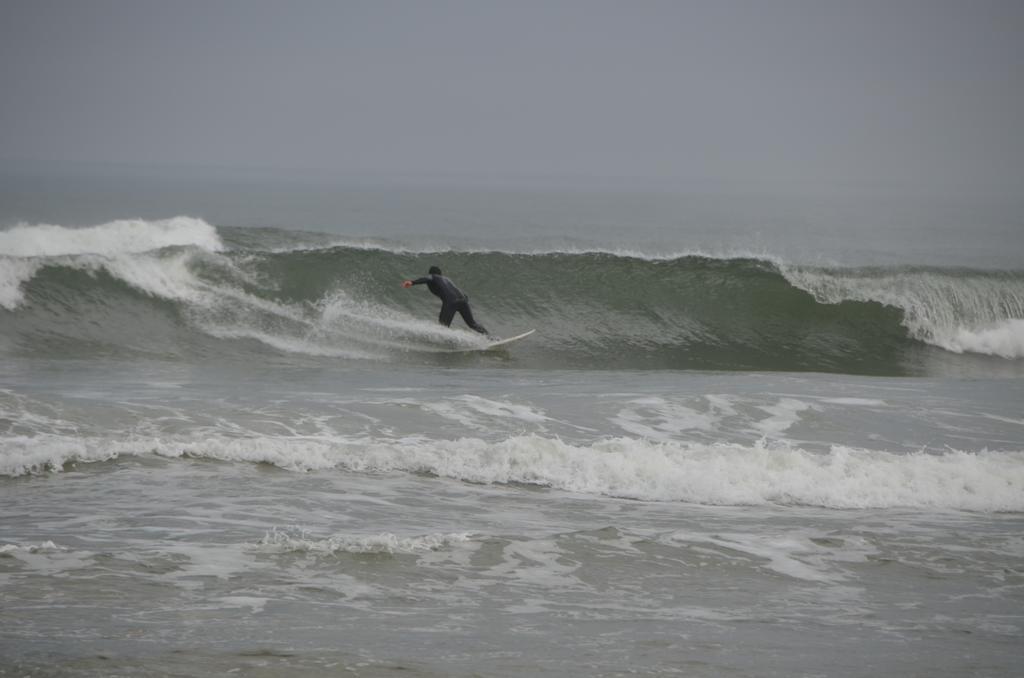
<point x="407" y="283"/>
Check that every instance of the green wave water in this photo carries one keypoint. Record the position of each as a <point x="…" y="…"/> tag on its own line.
<point x="300" y="296"/>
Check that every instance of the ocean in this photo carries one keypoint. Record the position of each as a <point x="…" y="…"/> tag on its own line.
<point x="751" y="436"/>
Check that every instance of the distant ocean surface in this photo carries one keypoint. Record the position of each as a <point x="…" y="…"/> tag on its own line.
<point x="750" y="437"/>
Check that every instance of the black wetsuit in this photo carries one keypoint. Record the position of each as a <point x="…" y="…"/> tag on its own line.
<point x="452" y="300"/>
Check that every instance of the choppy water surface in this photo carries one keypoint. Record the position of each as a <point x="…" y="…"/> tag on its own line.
<point x="465" y="522"/>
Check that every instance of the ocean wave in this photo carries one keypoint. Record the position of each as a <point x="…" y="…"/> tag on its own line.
<point x="958" y="310"/>
<point x="115" y="237"/>
<point x="767" y="472"/>
<point x="592" y="309"/>
<point x="372" y="245"/>
<point x="14" y="273"/>
<point x="124" y="248"/>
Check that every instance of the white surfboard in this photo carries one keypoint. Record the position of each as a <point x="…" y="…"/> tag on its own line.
<point x="505" y="342"/>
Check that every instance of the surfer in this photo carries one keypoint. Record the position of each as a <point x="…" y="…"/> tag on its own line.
<point x="452" y="298"/>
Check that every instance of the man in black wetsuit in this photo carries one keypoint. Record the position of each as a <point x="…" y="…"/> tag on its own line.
<point x="452" y="298"/>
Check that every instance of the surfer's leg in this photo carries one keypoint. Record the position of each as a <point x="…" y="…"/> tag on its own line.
<point x="447" y="313"/>
<point x="467" y="315"/>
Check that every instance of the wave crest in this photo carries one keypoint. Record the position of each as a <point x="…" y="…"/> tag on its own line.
<point x="714" y="474"/>
<point x="974" y="311"/>
<point x="115" y="237"/>
<point x="592" y="309"/>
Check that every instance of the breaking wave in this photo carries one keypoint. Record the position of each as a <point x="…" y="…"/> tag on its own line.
<point x="180" y="288"/>
<point x="714" y="474"/>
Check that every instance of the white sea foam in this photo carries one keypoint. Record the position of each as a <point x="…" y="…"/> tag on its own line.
<point x="956" y="311"/>
<point x="115" y="237"/>
<point x="659" y="419"/>
<point x="866" y="402"/>
<point x="47" y="558"/>
<point x="1008" y="420"/>
<point x="1004" y="339"/>
<point x="730" y="474"/>
<point x="299" y="540"/>
<point x="793" y="553"/>
<point x="14" y="272"/>
<point x="167" y="277"/>
<point x="289" y="344"/>
<point x="345" y="317"/>
<point x="783" y="415"/>
<point x="208" y="560"/>
<point x="11" y="549"/>
<point x="117" y="246"/>
<point x="784" y="554"/>
<point x="476" y="412"/>
<point x="538" y="562"/>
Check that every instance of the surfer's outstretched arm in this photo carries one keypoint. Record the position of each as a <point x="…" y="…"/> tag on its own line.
<point x="417" y="281"/>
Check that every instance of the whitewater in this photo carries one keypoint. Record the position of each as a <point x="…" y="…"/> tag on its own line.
<point x="229" y="446"/>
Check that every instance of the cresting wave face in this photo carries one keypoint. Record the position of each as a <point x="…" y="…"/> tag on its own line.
<point x="179" y="289"/>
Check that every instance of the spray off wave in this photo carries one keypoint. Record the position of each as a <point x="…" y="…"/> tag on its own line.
<point x="177" y="287"/>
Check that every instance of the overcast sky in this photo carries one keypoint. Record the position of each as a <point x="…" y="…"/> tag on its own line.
<point x="817" y="94"/>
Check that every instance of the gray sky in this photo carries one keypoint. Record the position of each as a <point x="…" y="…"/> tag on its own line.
<point x="815" y="95"/>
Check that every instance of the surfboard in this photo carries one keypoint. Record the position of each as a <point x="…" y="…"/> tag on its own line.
<point x="501" y="343"/>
